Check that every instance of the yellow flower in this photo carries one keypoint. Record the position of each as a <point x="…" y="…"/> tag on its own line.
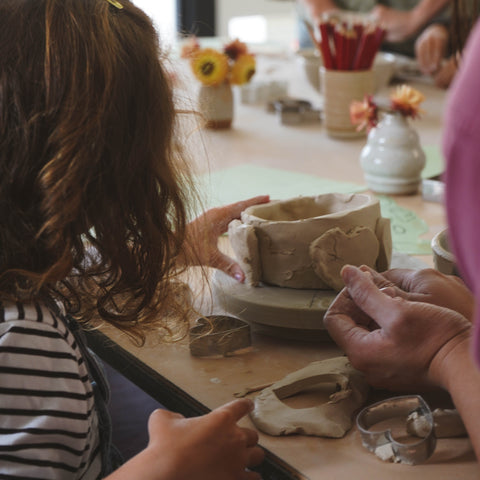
<point x="407" y="100"/>
<point x="243" y="69"/>
<point x="210" y="66"/>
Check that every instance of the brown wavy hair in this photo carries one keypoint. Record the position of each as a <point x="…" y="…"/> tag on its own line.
<point x="92" y="185"/>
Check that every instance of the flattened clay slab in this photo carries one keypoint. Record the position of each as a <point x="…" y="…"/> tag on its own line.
<point x="331" y="419"/>
<point x="335" y="248"/>
<point x="285" y="231"/>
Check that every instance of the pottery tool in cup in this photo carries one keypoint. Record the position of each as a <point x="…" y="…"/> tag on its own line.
<point x="349" y="45"/>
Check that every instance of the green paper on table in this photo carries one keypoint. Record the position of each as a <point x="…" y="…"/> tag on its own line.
<point x="244" y="181"/>
<point x="435" y="164"/>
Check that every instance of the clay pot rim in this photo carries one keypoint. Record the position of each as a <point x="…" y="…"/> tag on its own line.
<point x="369" y="201"/>
<point x="440" y="246"/>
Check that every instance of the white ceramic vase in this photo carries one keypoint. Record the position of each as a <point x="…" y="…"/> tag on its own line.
<point x="215" y="102"/>
<point x="393" y="159"/>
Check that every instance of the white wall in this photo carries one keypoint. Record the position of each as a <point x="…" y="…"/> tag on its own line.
<point x="163" y="13"/>
<point x="279" y="16"/>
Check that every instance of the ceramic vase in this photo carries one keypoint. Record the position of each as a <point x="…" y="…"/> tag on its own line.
<point x="393" y="159"/>
<point x="215" y="103"/>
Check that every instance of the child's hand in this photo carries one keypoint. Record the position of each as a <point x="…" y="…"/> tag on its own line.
<point x="209" y="447"/>
<point x="203" y="233"/>
<point x="206" y="447"/>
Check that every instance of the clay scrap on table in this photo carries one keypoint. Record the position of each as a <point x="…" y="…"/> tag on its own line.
<point x="331" y="419"/>
<point x="304" y="242"/>
<point x="447" y="423"/>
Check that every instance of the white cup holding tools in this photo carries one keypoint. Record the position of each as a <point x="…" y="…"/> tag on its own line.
<point x="340" y="89"/>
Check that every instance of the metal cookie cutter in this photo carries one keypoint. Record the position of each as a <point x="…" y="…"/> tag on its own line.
<point x="218" y="335"/>
<point x="383" y="444"/>
<point x="292" y="111"/>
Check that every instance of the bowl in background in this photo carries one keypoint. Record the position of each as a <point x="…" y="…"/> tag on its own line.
<point x="384" y="68"/>
<point x="443" y="258"/>
<point x="310" y="62"/>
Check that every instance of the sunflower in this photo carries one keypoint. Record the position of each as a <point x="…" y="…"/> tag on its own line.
<point x="243" y="69"/>
<point x="210" y="66"/>
<point x="407" y="100"/>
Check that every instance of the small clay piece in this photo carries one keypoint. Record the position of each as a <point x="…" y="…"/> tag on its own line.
<point x="336" y="248"/>
<point x="384" y="235"/>
<point x="446" y="423"/>
<point x="244" y="242"/>
<point x="330" y="419"/>
<point x="278" y="249"/>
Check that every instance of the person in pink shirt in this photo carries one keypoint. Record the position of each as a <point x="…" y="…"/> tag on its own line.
<point x="409" y="329"/>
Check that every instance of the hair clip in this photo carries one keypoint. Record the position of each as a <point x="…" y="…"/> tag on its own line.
<point x="115" y="4"/>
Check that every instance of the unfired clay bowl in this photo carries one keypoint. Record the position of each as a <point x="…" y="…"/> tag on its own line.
<point x="304" y="242"/>
<point x="443" y="258"/>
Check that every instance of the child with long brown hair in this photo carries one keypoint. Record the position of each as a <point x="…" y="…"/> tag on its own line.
<point x="93" y="226"/>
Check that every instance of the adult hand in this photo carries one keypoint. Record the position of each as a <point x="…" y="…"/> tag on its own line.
<point x="429" y="286"/>
<point x="431" y="48"/>
<point x="443" y="78"/>
<point x="317" y="8"/>
<point x="394" y="341"/>
<point x="203" y="233"/>
<point x="208" y="447"/>
<point x="399" y="25"/>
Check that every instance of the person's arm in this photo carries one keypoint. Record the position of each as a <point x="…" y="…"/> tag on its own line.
<point x="203" y="448"/>
<point x="402" y="24"/>
<point x="455" y="369"/>
<point x="316" y="8"/>
<point x="431" y="48"/>
<point x="445" y="75"/>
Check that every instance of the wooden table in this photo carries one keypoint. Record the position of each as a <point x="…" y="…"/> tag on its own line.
<point x="195" y="385"/>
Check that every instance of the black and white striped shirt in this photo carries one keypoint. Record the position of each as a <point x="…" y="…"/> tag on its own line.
<point x="49" y="426"/>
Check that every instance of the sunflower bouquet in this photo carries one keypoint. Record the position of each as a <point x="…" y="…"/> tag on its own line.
<point x="234" y="64"/>
<point x="404" y="100"/>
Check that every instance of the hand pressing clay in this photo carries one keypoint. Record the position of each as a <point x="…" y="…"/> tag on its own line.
<point x="336" y="248"/>
<point x="304" y="242"/>
<point x="330" y="419"/>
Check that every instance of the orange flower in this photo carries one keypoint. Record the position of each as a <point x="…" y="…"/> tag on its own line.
<point x="243" y="69"/>
<point x="190" y="47"/>
<point x="235" y="49"/>
<point x="407" y="100"/>
<point x="364" y="114"/>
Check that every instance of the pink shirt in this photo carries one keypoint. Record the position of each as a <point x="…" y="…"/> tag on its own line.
<point x="461" y="146"/>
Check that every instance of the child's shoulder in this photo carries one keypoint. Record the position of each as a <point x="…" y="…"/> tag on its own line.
<point x="32" y="323"/>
